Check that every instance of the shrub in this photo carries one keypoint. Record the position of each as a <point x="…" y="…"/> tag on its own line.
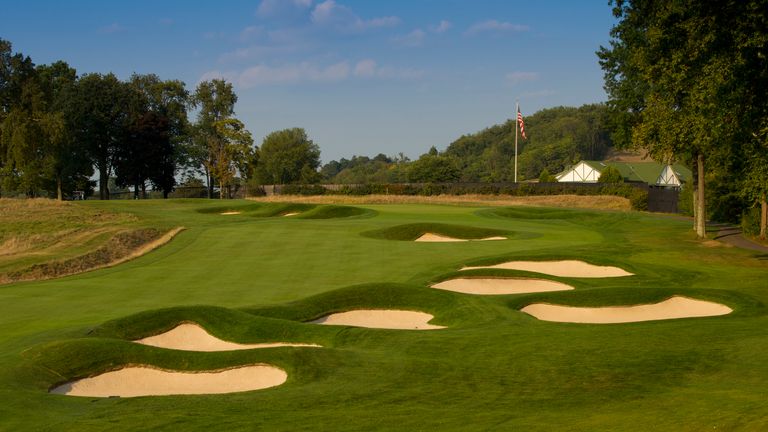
<point x="546" y="177"/>
<point x="611" y="175"/>
<point x="750" y="221"/>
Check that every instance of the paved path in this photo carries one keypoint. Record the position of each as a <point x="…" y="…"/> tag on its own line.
<point x="732" y="235"/>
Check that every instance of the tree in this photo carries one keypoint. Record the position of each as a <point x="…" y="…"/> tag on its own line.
<point x="156" y="132"/>
<point x="67" y="164"/>
<point x="672" y="75"/>
<point x="288" y="156"/>
<point x="755" y="185"/>
<point x="100" y="117"/>
<point x="430" y="168"/>
<point x="232" y="148"/>
<point x="546" y="177"/>
<point x="216" y="100"/>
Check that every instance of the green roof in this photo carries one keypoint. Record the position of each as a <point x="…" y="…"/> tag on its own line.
<point x="647" y="172"/>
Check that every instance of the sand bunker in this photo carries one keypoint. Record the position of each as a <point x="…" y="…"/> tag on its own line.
<point x="498" y="286"/>
<point x="146" y="381"/>
<point x="192" y="337"/>
<point x="568" y="268"/>
<point x="290" y="214"/>
<point x="384" y="319"/>
<point x="230" y="213"/>
<point x="672" y="308"/>
<point x="437" y="238"/>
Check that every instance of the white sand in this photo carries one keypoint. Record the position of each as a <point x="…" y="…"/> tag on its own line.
<point x="672" y="308"/>
<point x="377" y="318"/>
<point x="192" y="337"/>
<point x="437" y="238"/>
<point x="145" y="381"/>
<point x="497" y="286"/>
<point x="290" y="214"/>
<point x="567" y="268"/>
<point x="230" y="213"/>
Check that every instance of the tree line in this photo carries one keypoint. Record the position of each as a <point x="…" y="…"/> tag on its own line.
<point x="557" y="138"/>
<point x="58" y="129"/>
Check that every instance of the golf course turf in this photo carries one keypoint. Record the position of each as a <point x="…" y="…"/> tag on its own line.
<point x="255" y="277"/>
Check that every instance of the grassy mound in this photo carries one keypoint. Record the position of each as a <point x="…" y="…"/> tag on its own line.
<point x="44" y="239"/>
<point x="533" y="213"/>
<point x="306" y="211"/>
<point x="336" y="211"/>
<point x="231" y="207"/>
<point x="228" y="324"/>
<point x="367" y="296"/>
<point x="742" y="305"/>
<point x="411" y="232"/>
<point x="122" y="245"/>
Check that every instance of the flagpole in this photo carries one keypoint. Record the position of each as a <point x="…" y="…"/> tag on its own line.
<point x="517" y="110"/>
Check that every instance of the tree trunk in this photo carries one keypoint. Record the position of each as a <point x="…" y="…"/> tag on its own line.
<point x="209" y="183"/>
<point x="143" y="190"/>
<point x="763" y="216"/>
<point x="58" y="189"/>
<point x="695" y="209"/>
<point x="103" y="183"/>
<point x="701" y="226"/>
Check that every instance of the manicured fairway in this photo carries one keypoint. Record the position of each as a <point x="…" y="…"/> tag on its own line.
<point x="258" y="276"/>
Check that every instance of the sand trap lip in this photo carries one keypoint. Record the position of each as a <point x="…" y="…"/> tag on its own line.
<point x="229" y="213"/>
<point x="672" y="308"/>
<point x="438" y="238"/>
<point x="565" y="268"/>
<point x="500" y="286"/>
<point x="381" y="318"/>
<point x="136" y="381"/>
<point x="291" y="214"/>
<point x="192" y="337"/>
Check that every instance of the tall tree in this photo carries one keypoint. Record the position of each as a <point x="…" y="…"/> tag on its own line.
<point x="100" y="117"/>
<point x="19" y="134"/>
<point x="288" y="156"/>
<point x="669" y="76"/>
<point x="233" y="151"/>
<point x="215" y="100"/>
<point x="66" y="164"/>
<point x="156" y="132"/>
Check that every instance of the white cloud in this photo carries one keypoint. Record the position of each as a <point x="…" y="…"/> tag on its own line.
<point x="251" y="32"/>
<point x="282" y="8"/>
<point x="412" y="39"/>
<point x="304" y="72"/>
<point x="518" y="77"/>
<point x="370" y="69"/>
<point x="295" y="73"/>
<point x="365" y="68"/>
<point x="442" y="27"/>
<point x="112" y="28"/>
<point x="495" y="26"/>
<point x="333" y="15"/>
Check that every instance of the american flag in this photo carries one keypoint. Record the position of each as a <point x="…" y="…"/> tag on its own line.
<point x="522" y="124"/>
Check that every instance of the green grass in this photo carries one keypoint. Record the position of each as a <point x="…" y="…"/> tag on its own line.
<point x="410" y="232"/>
<point x="253" y="278"/>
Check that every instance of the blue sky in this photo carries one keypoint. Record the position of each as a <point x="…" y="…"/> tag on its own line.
<point x="362" y="77"/>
